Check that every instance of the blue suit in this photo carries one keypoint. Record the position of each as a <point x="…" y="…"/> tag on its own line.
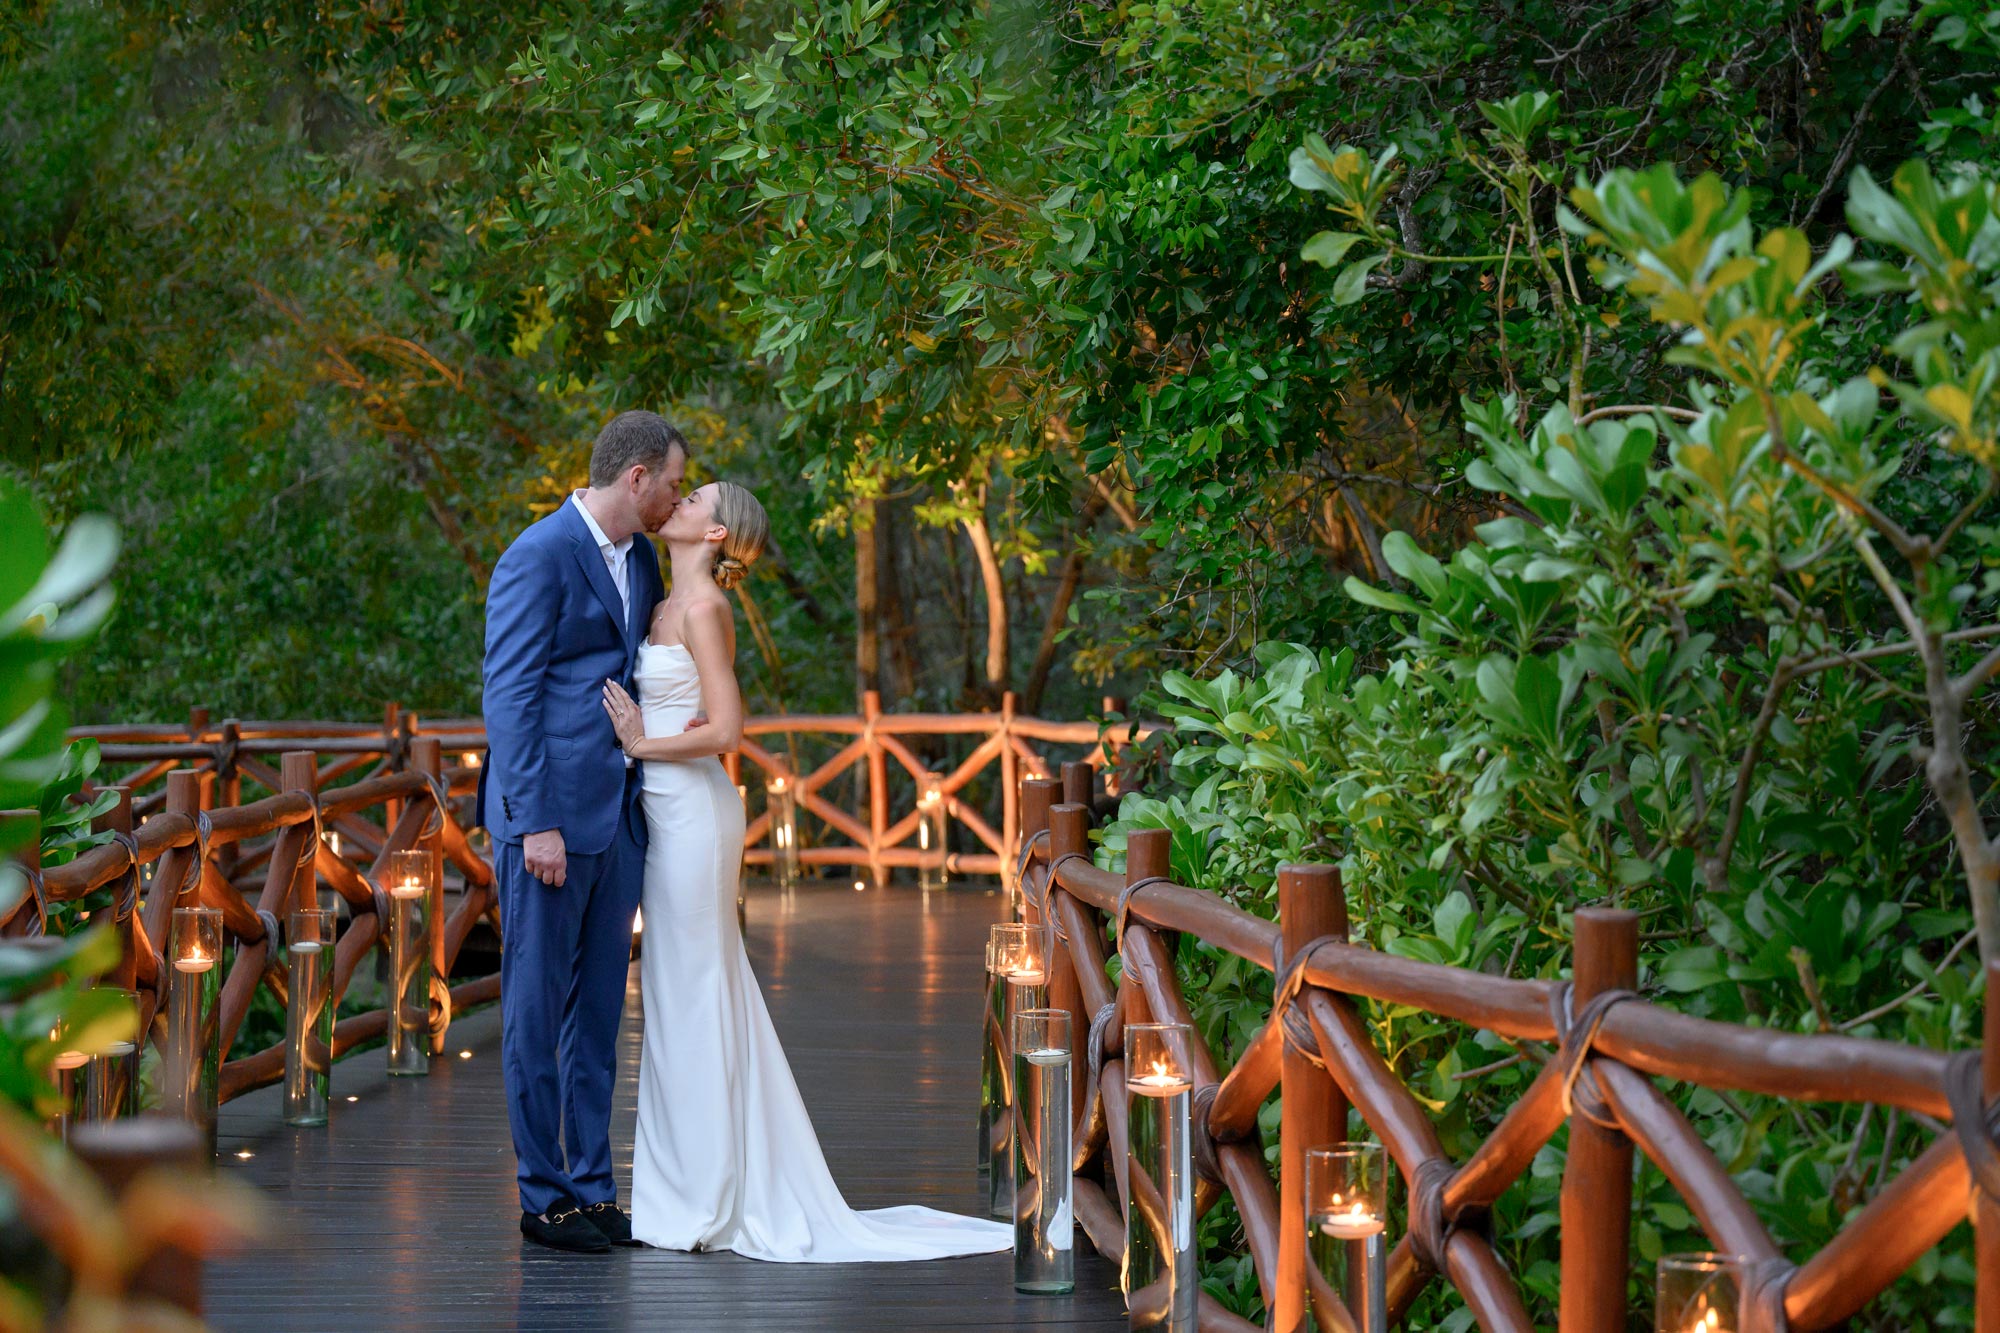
<point x="555" y="632"/>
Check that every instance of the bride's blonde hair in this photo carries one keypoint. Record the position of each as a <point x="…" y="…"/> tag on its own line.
<point x="738" y="510"/>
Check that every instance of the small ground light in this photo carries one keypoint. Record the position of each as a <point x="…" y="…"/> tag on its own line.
<point x="353" y="1099"/>
<point x="859" y="886"/>
<point x="245" y="1155"/>
<point x="465" y="1055"/>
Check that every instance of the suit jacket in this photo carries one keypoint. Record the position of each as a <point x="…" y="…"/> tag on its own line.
<point x="555" y="632"/>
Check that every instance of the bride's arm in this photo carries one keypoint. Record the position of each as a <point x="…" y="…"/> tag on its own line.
<point x="708" y="632"/>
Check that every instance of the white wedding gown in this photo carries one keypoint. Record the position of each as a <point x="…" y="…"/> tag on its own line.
<point x="726" y="1157"/>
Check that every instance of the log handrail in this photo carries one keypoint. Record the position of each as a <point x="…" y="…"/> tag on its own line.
<point x="875" y="838"/>
<point x="1633" y="1042"/>
<point x="295" y="861"/>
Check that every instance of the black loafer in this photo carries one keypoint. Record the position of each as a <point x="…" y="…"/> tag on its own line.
<point x="609" y="1219"/>
<point x="564" y="1227"/>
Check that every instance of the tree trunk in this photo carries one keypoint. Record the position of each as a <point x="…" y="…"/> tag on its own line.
<point x="1094" y="505"/>
<point x="997" y="673"/>
<point x="867" y="621"/>
<point x="901" y="677"/>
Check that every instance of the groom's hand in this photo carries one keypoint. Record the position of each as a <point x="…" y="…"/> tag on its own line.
<point x="543" y="854"/>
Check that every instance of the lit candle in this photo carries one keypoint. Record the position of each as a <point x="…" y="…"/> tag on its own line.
<point x="470" y="759"/>
<point x="408" y="888"/>
<point x="1354" y="1222"/>
<point x="66" y="1059"/>
<point x="195" y="960"/>
<point x="1158" y="1081"/>
<point x="1707" y="1321"/>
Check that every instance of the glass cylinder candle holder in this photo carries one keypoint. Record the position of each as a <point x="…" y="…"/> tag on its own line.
<point x="1044" y="1223"/>
<point x="992" y="1080"/>
<point x="932" y="811"/>
<point x="1699" y="1293"/>
<point x="111" y="1078"/>
<point x="1347" y="1211"/>
<point x="1022" y="970"/>
<point x="781" y="800"/>
<point x="193" y="1052"/>
<point x="67" y="1072"/>
<point x="1159" y="1278"/>
<point x="308" y="1017"/>
<point x="410" y="925"/>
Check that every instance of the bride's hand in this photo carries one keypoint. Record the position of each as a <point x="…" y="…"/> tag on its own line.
<point x="625" y="718"/>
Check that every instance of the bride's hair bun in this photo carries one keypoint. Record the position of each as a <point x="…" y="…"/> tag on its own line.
<point x="738" y="511"/>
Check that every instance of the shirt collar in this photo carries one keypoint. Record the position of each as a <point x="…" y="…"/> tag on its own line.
<point x="604" y="543"/>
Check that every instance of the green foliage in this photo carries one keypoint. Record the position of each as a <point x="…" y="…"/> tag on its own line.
<point x="50" y="604"/>
<point x="1672" y="673"/>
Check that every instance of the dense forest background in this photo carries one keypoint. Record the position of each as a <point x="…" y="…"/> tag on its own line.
<point x="999" y="306"/>
<point x="1538" y="453"/>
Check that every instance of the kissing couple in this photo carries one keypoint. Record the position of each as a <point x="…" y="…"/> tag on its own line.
<point x="609" y="701"/>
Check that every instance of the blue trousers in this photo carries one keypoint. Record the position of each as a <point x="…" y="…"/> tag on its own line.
<point x="563" y="959"/>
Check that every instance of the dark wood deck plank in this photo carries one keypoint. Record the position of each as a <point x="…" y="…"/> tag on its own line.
<point x="402" y="1215"/>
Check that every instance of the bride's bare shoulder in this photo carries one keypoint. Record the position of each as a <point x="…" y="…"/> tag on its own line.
<point x="710" y="619"/>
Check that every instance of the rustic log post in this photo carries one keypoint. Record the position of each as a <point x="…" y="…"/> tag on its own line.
<point x="299" y="771"/>
<point x="1597" y="1182"/>
<point x="1986" y="1209"/>
<point x="183" y="798"/>
<point x="1079" y="782"/>
<point x="878" y="785"/>
<point x="1010" y="794"/>
<point x="228" y="789"/>
<point x="118" y="819"/>
<point x="197" y="723"/>
<point x="1069" y="832"/>
<point x="1312" y="1111"/>
<point x="392" y="758"/>
<point x="427" y="757"/>
<point x="1038" y="796"/>
<point x="119" y="1152"/>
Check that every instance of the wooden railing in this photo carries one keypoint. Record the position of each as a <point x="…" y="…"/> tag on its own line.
<point x="1608" y="1046"/>
<point x="344" y="797"/>
<point x="879" y="748"/>
<point x="257" y="862"/>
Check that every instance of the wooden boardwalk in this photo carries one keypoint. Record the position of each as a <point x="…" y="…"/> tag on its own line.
<point x="402" y="1214"/>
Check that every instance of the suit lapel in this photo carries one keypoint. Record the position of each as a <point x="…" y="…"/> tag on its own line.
<point x="591" y="560"/>
<point x="636" y="585"/>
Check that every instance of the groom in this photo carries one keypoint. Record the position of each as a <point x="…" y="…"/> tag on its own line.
<point x="566" y="610"/>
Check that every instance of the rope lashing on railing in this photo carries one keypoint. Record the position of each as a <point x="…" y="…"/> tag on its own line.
<point x="1293" y="1026"/>
<point x="1206" y="1164"/>
<point x="1050" y="925"/>
<point x="1974" y="1122"/>
<point x="39" y="927"/>
<point x="440" y="797"/>
<point x="204" y="829"/>
<point x="1764" y="1303"/>
<point x="1122" y="910"/>
<point x="1574" y="1034"/>
<point x="128" y="896"/>
<point x="1431" y="1229"/>
<point x="1028" y="855"/>
<point x="270" y="930"/>
<point x="1094" y="1053"/>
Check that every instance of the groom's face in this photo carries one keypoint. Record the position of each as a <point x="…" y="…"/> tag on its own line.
<point x="660" y="491"/>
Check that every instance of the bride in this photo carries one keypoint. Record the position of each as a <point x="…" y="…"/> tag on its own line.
<point x="726" y="1157"/>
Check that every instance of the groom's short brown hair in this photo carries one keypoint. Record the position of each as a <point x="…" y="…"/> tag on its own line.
<point x="631" y="439"/>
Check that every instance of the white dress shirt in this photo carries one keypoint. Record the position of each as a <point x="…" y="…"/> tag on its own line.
<point x="615" y="554"/>
<point x="614" y="557"/>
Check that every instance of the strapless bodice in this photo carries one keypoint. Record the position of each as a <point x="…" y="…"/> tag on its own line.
<point x="669" y="687"/>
